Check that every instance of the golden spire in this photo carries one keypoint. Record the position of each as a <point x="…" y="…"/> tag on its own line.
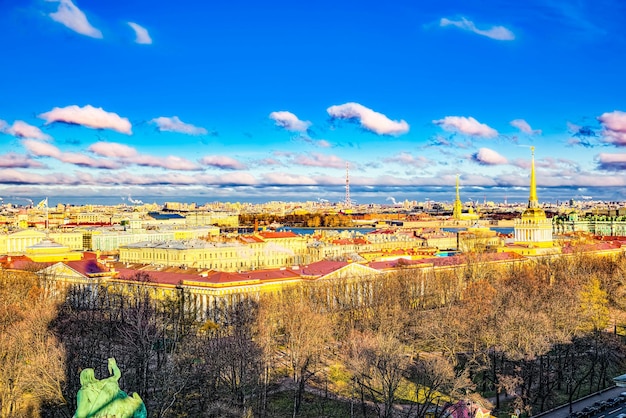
<point x="458" y="194"/>
<point x="532" y="200"/>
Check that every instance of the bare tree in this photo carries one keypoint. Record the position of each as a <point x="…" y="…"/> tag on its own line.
<point x="31" y="358"/>
<point x="298" y="336"/>
<point x="438" y="385"/>
<point x="378" y="362"/>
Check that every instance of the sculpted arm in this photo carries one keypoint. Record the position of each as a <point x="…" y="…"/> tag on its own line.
<point x="114" y="370"/>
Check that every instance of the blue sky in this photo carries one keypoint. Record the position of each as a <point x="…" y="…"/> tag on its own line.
<point x="257" y="101"/>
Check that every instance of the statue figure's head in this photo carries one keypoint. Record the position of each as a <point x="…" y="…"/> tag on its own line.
<point x="87" y="377"/>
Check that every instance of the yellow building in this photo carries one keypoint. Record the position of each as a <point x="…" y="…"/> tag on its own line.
<point x="92" y="218"/>
<point x="194" y="233"/>
<point x="223" y="256"/>
<point x="47" y="251"/>
<point x="17" y="242"/>
<point x="178" y="206"/>
<point x="226" y="219"/>
<point x="280" y="244"/>
<point x="73" y="240"/>
<point x="533" y="232"/>
<point x="478" y="238"/>
<point x="439" y="239"/>
<point x="265" y="250"/>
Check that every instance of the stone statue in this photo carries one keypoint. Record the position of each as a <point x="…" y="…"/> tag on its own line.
<point x="104" y="398"/>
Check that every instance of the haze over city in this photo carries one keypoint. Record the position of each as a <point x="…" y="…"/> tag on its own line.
<point x="258" y="101"/>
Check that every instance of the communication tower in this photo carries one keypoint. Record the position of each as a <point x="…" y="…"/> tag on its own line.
<point x="348" y="202"/>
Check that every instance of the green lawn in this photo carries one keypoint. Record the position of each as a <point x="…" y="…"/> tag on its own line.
<point x="281" y="405"/>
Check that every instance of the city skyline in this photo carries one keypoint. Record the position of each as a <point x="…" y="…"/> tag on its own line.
<point x="262" y="102"/>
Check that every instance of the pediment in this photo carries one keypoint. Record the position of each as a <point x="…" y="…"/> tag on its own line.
<point x="28" y="233"/>
<point x="61" y="270"/>
<point x="352" y="270"/>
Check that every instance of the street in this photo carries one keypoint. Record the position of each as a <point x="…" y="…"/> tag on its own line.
<point x="588" y="402"/>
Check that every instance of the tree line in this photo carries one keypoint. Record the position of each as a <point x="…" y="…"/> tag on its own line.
<point x="528" y="335"/>
<point x="308" y="220"/>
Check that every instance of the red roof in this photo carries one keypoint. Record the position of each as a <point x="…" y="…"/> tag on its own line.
<point x="223" y="277"/>
<point x="87" y="266"/>
<point x="342" y="241"/>
<point x="620" y="239"/>
<point x="382" y="231"/>
<point x="77" y="224"/>
<point x="215" y="277"/>
<point x="444" y="261"/>
<point x="322" y="268"/>
<point x="600" y="246"/>
<point x="349" y="241"/>
<point x="394" y="264"/>
<point x="20" y="262"/>
<point x="269" y="275"/>
<point x="250" y="239"/>
<point x="160" y="277"/>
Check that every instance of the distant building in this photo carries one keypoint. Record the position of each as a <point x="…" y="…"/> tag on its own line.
<point x="17" y="242"/>
<point x="219" y="218"/>
<point x="478" y="238"/>
<point x="47" y="251"/>
<point x="595" y="224"/>
<point x="102" y="239"/>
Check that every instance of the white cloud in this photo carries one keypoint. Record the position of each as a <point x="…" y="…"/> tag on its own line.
<point x="406" y="159"/>
<point x="499" y="33"/>
<point x="170" y="162"/>
<point x="21" y="129"/>
<point x="304" y="137"/>
<point x="11" y="176"/>
<point x="523" y="126"/>
<point x="112" y="149"/>
<point x="244" y="179"/>
<point x="129" y="155"/>
<point x="315" y="159"/>
<point x="41" y="149"/>
<point x="89" y="116"/>
<point x="223" y="162"/>
<point x="72" y="17"/>
<point x="467" y="126"/>
<point x="87" y="161"/>
<point x="370" y="120"/>
<point x="289" y="121"/>
<point x="287" y="179"/>
<point x="174" y="124"/>
<point x="611" y="161"/>
<point x="141" y="33"/>
<point x="272" y="162"/>
<point x="44" y="149"/>
<point x="13" y="160"/>
<point x="486" y="156"/>
<point x="614" y="124"/>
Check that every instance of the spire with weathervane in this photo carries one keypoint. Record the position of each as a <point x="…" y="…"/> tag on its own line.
<point x="457" y="209"/>
<point x="534" y="228"/>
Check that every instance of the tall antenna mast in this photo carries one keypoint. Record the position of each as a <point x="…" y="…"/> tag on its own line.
<point x="348" y="202"/>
